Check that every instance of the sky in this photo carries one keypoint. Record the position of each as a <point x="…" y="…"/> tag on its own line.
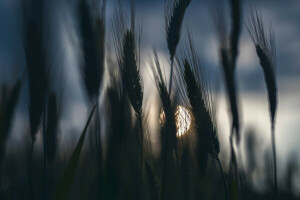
<point x="282" y="16"/>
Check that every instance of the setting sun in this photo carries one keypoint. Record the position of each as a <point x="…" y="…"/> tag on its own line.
<point x="183" y="120"/>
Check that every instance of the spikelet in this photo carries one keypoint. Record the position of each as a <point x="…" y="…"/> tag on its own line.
<point x="174" y="14"/>
<point x="175" y="11"/>
<point x="131" y="73"/>
<point x="36" y="64"/>
<point x="93" y="37"/>
<point x="127" y="53"/>
<point x="228" y="55"/>
<point x="128" y="60"/>
<point x="128" y="56"/>
<point x="266" y="52"/>
<point x="200" y="100"/>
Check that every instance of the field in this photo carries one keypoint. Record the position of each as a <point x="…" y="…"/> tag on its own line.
<point x="136" y="141"/>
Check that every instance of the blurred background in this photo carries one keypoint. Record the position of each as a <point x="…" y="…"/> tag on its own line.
<point x="283" y="17"/>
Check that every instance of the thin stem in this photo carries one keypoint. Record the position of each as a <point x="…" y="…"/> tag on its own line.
<point x="45" y="159"/>
<point x="233" y="162"/>
<point x="0" y="176"/>
<point x="171" y="76"/>
<point x="142" y="148"/>
<point x="141" y="140"/>
<point x="274" y="158"/>
<point x="233" y="158"/>
<point x="30" y="170"/>
<point x="45" y="150"/>
<point x="223" y="177"/>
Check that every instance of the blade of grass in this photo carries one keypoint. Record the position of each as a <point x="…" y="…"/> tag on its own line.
<point x="68" y="176"/>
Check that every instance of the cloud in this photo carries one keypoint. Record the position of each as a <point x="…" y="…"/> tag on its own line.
<point x="251" y="86"/>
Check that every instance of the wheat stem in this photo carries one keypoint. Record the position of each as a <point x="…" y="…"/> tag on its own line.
<point x="171" y="75"/>
<point x="142" y="149"/>
<point x="45" y="148"/>
<point x="266" y="52"/>
<point x="274" y="158"/>
<point x="223" y="177"/>
<point x="30" y="170"/>
<point x="45" y="154"/>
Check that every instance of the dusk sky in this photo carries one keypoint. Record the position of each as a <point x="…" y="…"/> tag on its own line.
<point x="283" y="17"/>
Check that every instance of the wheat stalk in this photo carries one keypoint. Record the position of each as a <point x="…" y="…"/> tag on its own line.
<point x="92" y="32"/>
<point x="201" y="102"/>
<point x="129" y="64"/>
<point x="235" y="29"/>
<point x="34" y="18"/>
<point x="174" y="14"/>
<point x="266" y="52"/>
<point x="168" y="131"/>
<point x="8" y="102"/>
<point x="228" y="55"/>
<point x="228" y="52"/>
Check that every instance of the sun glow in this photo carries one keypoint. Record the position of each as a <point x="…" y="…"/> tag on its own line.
<point x="183" y="120"/>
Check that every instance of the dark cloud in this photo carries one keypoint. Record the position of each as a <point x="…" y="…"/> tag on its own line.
<point x="283" y="17"/>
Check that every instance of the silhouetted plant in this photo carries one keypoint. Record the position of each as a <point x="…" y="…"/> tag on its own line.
<point x="266" y="52"/>
<point x="123" y="161"/>
<point x="92" y="30"/>
<point x="128" y="60"/>
<point x="201" y="103"/>
<point x="174" y="14"/>
<point x="36" y="63"/>
<point x="228" y="56"/>
<point x="168" y="135"/>
<point x="235" y="29"/>
<point x="119" y="143"/>
<point x="69" y="173"/>
<point x="8" y="102"/>
<point x="34" y="23"/>
<point x="228" y="53"/>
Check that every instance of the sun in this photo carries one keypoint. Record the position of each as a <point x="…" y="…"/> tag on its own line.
<point x="183" y="120"/>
